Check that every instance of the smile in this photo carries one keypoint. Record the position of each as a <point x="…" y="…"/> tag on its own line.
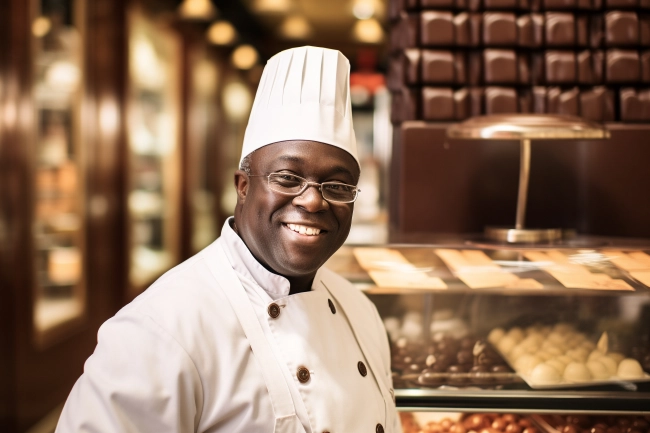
<point x="304" y="230"/>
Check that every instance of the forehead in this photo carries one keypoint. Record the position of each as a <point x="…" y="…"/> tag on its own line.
<point x="310" y="155"/>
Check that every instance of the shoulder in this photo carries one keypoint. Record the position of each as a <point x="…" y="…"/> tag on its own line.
<point x="347" y="293"/>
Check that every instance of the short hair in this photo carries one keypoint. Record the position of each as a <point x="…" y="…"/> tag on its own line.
<point x="245" y="164"/>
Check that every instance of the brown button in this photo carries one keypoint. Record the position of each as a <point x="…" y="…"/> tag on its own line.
<point x="362" y="368"/>
<point x="332" y="307"/>
<point x="303" y="375"/>
<point x="274" y="311"/>
<point x="379" y="428"/>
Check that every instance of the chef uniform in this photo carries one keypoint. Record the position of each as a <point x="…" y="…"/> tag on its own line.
<point x="217" y="344"/>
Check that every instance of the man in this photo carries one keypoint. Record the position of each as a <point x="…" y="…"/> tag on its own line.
<point x="253" y="334"/>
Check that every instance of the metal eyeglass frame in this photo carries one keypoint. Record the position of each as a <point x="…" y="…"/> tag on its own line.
<point x="307" y="184"/>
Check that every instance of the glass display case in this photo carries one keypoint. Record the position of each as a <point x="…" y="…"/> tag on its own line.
<point x="526" y="329"/>
<point x="59" y="208"/>
<point x="153" y="167"/>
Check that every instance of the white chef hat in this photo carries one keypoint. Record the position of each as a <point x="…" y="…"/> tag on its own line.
<point x="304" y="94"/>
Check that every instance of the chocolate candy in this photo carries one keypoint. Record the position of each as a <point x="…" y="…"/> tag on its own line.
<point x="559" y="4"/>
<point x="634" y="106"/>
<point x="404" y="32"/>
<point x="596" y="35"/>
<point x="553" y="99"/>
<point x="622" y="66"/>
<point x="530" y="30"/>
<point x="560" y="66"/>
<point x="523" y="69"/>
<point x="405" y="105"/>
<point x="500" y="100"/>
<point x="539" y="99"/>
<point x="437" y="104"/>
<point x="460" y="68"/>
<point x="437" y="28"/>
<point x="436" y="4"/>
<point x="582" y="30"/>
<point x="500" y="66"/>
<point x="437" y="67"/>
<point x="585" y="67"/>
<point x="500" y="4"/>
<point x="461" y="29"/>
<point x="645" y="66"/>
<point x="592" y="104"/>
<point x="404" y="69"/>
<point x="559" y="29"/>
<point x="499" y="29"/>
<point x="621" y="28"/>
<point x="461" y="104"/>
<point x="569" y="102"/>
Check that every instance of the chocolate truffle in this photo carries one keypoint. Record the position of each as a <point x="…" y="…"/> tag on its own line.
<point x="560" y="66"/>
<point x="525" y="31"/>
<point x="500" y="66"/>
<point x="461" y="29"/>
<point x="437" y="67"/>
<point x="404" y="32"/>
<point x="559" y="29"/>
<point x="499" y="29"/>
<point x="461" y="104"/>
<point x="622" y="66"/>
<point x="460" y="67"/>
<point x="523" y="70"/>
<point x="437" y="28"/>
<point x="405" y="105"/>
<point x="621" y="28"/>
<point x="500" y="100"/>
<point x="437" y="104"/>
<point x="585" y="67"/>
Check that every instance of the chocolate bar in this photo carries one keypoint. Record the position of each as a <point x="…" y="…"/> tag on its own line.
<point x="500" y="66"/>
<point x="437" y="103"/>
<point x="621" y="28"/>
<point x="560" y="66"/>
<point x="500" y="100"/>
<point x="437" y="28"/>
<point x="559" y="29"/>
<point x="437" y="67"/>
<point x="499" y="29"/>
<point x="622" y="66"/>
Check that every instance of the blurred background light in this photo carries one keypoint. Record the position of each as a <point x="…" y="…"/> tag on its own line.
<point x="237" y="100"/>
<point x="272" y="6"/>
<point x="244" y="57"/>
<point x="63" y="74"/>
<point x="41" y="26"/>
<point x="363" y="9"/>
<point x="197" y="10"/>
<point x="296" y="27"/>
<point x="222" y="33"/>
<point x="368" y="31"/>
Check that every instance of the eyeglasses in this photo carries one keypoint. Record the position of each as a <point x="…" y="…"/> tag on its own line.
<point x="290" y="184"/>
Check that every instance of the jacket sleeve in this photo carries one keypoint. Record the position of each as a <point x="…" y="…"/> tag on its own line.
<point x="139" y="379"/>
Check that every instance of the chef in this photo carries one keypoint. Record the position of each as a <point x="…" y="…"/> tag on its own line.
<point x="253" y="334"/>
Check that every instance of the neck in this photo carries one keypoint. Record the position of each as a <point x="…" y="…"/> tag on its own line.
<point x="300" y="284"/>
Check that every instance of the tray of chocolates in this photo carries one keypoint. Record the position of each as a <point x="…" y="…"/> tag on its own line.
<point x="560" y="356"/>
<point x="449" y="361"/>
<point x="467" y="423"/>
<point x="592" y="424"/>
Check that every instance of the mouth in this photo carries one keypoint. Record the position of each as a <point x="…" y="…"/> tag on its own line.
<point x="305" y="230"/>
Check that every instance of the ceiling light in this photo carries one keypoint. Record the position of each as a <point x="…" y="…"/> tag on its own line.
<point x="363" y="9"/>
<point x="41" y="26"/>
<point x="368" y="31"/>
<point x="244" y="57"/>
<point x="222" y="33"/>
<point x="197" y="9"/>
<point x="296" y="27"/>
<point x="272" y="6"/>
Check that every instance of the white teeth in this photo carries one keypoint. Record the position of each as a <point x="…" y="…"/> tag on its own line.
<point x="304" y="230"/>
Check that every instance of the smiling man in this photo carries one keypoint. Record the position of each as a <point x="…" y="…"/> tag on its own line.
<point x="253" y="334"/>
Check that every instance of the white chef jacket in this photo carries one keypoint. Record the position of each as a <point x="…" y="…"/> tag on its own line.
<point x="177" y="359"/>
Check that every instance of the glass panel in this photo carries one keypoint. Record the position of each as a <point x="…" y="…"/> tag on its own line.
<point x="59" y="206"/>
<point x="153" y="150"/>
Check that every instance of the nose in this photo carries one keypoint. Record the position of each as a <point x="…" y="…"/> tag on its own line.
<point x="311" y="199"/>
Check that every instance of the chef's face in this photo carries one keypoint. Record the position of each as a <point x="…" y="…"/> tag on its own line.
<point x="269" y="221"/>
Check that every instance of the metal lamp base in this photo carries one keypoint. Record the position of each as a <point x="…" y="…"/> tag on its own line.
<point x="523" y="236"/>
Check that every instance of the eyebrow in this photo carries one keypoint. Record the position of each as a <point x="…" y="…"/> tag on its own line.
<point x="335" y="170"/>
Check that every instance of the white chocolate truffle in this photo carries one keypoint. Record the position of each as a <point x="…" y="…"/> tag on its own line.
<point x="618" y="357"/>
<point x="495" y="335"/>
<point x="577" y="372"/>
<point x="516" y="333"/>
<point x="557" y="365"/>
<point x="579" y="355"/>
<point x="598" y="370"/>
<point x="517" y="351"/>
<point x="533" y="340"/>
<point x="566" y="359"/>
<point x="610" y="364"/>
<point x="630" y="369"/>
<point x="544" y="355"/>
<point x="554" y="350"/>
<point x="506" y="344"/>
<point x="526" y="363"/>
<point x="545" y="374"/>
<point x="594" y="355"/>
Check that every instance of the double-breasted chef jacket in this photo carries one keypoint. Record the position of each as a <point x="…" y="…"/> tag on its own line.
<point x="217" y="344"/>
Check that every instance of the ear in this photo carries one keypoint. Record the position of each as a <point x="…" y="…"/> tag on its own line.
<point x="241" y="185"/>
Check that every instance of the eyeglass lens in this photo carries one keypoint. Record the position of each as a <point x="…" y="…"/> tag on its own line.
<point x="332" y="191"/>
